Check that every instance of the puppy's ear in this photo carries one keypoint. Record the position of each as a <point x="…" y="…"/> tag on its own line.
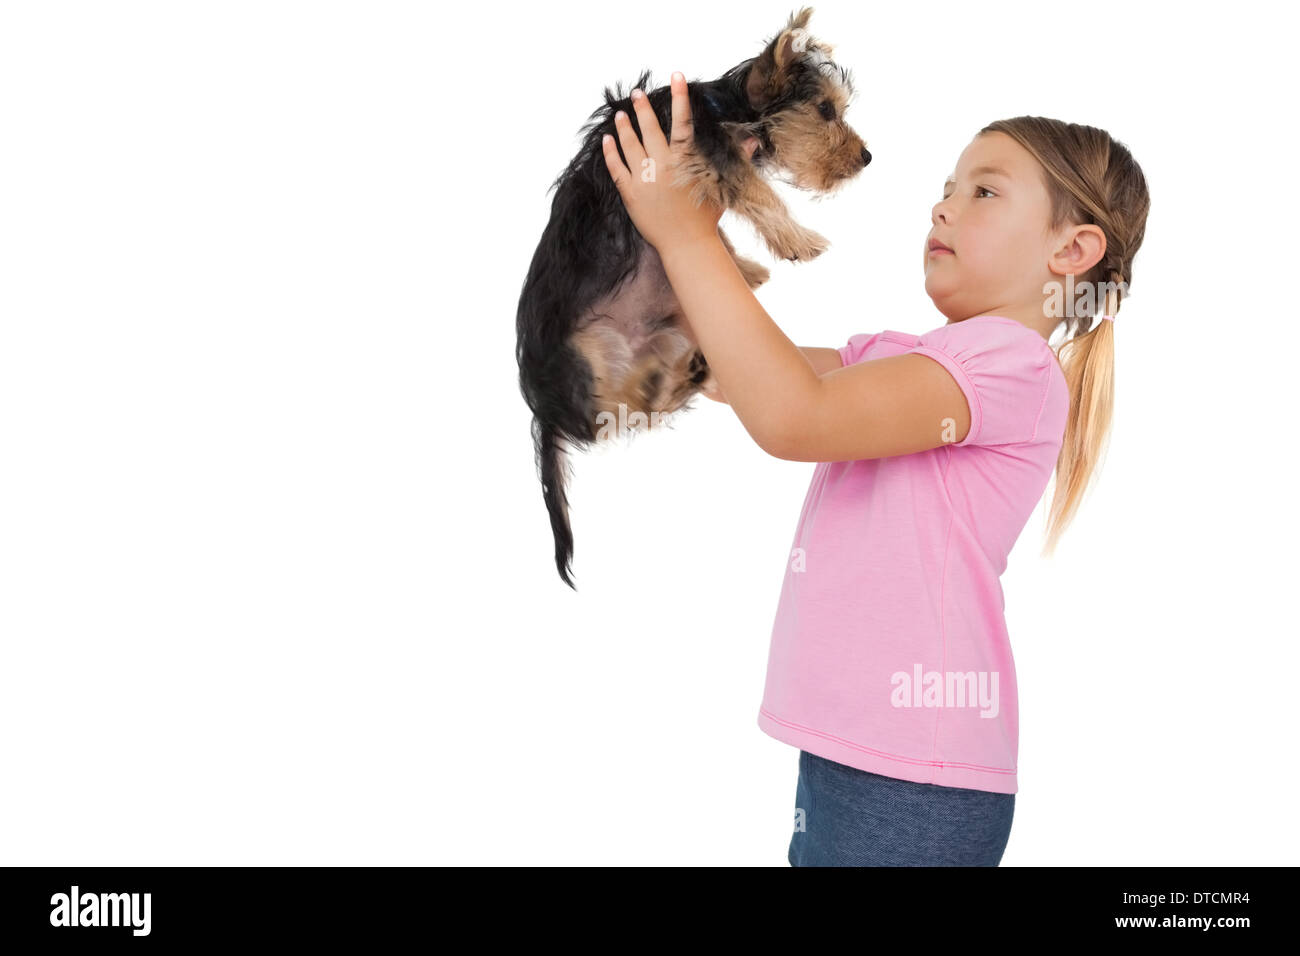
<point x="799" y="20"/>
<point x="770" y="74"/>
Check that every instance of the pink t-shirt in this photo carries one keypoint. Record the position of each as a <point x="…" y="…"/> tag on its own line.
<point x="890" y="650"/>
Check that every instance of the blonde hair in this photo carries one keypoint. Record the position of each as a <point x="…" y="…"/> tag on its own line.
<point x="1091" y="178"/>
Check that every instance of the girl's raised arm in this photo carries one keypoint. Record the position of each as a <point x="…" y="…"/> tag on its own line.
<point x="823" y="360"/>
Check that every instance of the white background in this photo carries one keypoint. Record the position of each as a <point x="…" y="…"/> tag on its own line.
<point x="276" y="583"/>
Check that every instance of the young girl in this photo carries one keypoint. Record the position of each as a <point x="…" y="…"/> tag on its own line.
<point x="890" y="666"/>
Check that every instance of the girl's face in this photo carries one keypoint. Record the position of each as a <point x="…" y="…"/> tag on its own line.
<point x="993" y="216"/>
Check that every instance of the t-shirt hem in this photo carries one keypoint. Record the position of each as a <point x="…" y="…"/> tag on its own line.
<point x="943" y="773"/>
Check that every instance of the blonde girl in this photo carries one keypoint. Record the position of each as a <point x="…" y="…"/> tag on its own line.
<point x="890" y="667"/>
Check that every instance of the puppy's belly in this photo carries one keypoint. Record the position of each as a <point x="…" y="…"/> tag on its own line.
<point x="637" y="308"/>
<point x="631" y="320"/>
<point x="639" y="348"/>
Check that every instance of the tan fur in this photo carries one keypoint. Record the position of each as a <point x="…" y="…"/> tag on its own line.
<point x="820" y="155"/>
<point x="657" y="377"/>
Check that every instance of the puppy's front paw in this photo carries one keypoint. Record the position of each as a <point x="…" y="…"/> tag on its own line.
<point x="754" y="273"/>
<point x="808" y="245"/>
<point x="794" y="243"/>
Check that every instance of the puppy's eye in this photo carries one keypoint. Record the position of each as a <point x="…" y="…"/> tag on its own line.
<point x="827" y="109"/>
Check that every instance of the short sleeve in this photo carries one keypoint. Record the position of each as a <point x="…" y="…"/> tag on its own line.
<point x="1004" y="369"/>
<point x="852" y="352"/>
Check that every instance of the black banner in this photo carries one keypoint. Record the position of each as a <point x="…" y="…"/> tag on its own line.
<point x="110" y="906"/>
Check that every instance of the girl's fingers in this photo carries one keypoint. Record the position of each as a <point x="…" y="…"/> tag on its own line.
<point x="682" y="128"/>
<point x="652" y="135"/>
<point x="632" y="148"/>
<point x="617" y="171"/>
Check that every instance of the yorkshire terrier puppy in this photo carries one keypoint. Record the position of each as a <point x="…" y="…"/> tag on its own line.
<point x="602" y="344"/>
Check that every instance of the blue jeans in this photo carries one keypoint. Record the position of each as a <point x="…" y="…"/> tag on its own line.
<point x="855" y="818"/>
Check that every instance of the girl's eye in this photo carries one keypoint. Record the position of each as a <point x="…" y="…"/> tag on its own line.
<point x="978" y="190"/>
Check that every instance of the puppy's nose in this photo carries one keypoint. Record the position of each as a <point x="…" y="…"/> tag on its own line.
<point x="866" y="157"/>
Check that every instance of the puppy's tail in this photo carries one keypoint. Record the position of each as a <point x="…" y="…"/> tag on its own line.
<point x="551" y="462"/>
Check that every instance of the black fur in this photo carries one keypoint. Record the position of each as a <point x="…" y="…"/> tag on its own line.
<point x="590" y="246"/>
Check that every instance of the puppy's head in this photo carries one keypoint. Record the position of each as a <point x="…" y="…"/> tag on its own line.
<point x="802" y="95"/>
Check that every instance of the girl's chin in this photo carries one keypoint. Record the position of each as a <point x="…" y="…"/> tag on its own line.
<point x="939" y="284"/>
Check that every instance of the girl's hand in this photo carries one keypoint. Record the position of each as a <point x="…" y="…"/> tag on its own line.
<point x="662" y="211"/>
